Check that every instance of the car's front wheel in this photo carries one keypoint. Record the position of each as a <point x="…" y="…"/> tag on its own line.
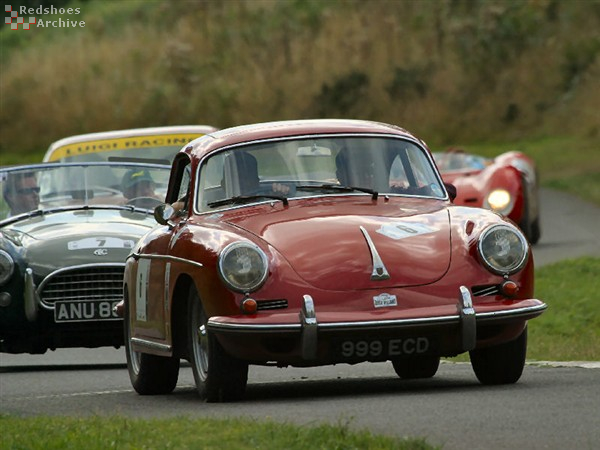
<point x="500" y="364"/>
<point x="416" y="367"/>
<point x="149" y="374"/>
<point x="218" y="376"/>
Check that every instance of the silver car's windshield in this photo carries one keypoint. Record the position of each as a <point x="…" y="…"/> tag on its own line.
<point x="317" y="166"/>
<point x="26" y="189"/>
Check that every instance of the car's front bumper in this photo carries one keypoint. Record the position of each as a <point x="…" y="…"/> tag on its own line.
<point x="307" y="338"/>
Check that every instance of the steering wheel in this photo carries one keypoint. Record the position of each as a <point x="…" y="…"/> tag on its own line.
<point x="144" y="202"/>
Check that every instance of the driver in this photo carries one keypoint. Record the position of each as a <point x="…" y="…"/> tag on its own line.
<point x="21" y="192"/>
<point x="138" y="183"/>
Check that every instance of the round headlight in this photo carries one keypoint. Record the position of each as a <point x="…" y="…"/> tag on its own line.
<point x="503" y="249"/>
<point x="7" y="267"/>
<point x="499" y="200"/>
<point x="243" y="266"/>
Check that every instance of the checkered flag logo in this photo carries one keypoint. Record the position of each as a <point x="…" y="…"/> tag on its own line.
<point x="14" y="20"/>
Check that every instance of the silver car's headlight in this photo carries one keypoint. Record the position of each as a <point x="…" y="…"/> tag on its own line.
<point x="243" y="266"/>
<point x="500" y="201"/>
<point x="503" y="249"/>
<point x="7" y="267"/>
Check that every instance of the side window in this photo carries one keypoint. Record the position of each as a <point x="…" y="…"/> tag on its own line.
<point x="210" y="185"/>
<point x="179" y="181"/>
<point x="184" y="186"/>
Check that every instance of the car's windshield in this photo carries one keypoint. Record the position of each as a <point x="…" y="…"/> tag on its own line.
<point x="317" y="166"/>
<point x="457" y="161"/>
<point x="46" y="186"/>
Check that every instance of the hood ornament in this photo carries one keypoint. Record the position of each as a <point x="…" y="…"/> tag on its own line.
<point x="379" y="271"/>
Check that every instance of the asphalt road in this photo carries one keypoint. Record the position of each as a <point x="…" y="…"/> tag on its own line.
<point x="570" y="228"/>
<point x="551" y="407"/>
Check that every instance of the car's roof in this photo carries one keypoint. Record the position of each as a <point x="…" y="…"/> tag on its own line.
<point x="289" y="128"/>
<point x="116" y="134"/>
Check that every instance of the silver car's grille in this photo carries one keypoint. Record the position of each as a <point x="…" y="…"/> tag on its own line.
<point x="90" y="283"/>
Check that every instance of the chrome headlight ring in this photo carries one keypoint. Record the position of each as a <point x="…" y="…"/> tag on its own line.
<point x="503" y="249"/>
<point x="243" y="266"/>
<point x="7" y="267"/>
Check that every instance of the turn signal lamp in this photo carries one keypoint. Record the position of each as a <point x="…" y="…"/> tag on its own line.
<point x="249" y="306"/>
<point x="509" y="288"/>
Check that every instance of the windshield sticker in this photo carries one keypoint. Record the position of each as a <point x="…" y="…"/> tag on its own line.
<point x="405" y="230"/>
<point x="100" y="242"/>
<point x="106" y="145"/>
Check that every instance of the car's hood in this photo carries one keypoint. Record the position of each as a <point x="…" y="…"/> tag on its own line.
<point x="332" y="251"/>
<point x="72" y="238"/>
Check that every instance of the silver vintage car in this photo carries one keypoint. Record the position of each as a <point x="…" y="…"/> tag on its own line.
<point x="65" y="232"/>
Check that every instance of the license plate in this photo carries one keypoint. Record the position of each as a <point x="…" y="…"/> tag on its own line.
<point x="84" y="311"/>
<point x="383" y="348"/>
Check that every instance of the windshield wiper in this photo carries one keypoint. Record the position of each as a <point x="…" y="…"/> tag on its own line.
<point x="244" y="198"/>
<point x="339" y="187"/>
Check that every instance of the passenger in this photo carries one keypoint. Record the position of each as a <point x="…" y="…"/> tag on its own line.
<point x="244" y="167"/>
<point x="138" y="183"/>
<point x="354" y="168"/>
<point x="21" y="192"/>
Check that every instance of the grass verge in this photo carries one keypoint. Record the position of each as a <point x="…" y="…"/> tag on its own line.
<point x="570" y="329"/>
<point x="47" y="433"/>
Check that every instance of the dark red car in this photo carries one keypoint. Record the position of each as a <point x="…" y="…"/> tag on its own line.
<point x="318" y="242"/>
<point x="506" y="184"/>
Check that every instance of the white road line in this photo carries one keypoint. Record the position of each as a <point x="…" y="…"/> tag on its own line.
<point x="584" y="364"/>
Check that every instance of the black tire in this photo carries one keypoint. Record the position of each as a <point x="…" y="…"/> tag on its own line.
<point x="501" y="364"/>
<point x="416" y="367"/>
<point x="218" y="376"/>
<point x="149" y="374"/>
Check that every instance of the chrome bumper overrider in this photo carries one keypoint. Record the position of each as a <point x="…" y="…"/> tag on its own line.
<point x="308" y="325"/>
<point x="31" y="297"/>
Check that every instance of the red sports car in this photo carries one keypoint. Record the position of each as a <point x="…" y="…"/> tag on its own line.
<point x="317" y="242"/>
<point x="506" y="184"/>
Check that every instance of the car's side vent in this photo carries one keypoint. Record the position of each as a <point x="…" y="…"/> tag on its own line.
<point x="272" y="304"/>
<point x="489" y="289"/>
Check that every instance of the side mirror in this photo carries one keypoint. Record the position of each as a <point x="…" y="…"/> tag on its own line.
<point x="451" y="191"/>
<point x="163" y="212"/>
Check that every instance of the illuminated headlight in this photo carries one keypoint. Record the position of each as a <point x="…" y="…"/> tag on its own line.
<point x="7" y="266"/>
<point x="500" y="200"/>
<point x="503" y="249"/>
<point x="243" y="266"/>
